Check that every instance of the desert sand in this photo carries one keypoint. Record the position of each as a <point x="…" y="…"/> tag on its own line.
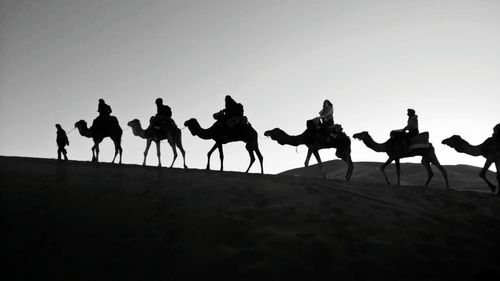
<point x="84" y="221"/>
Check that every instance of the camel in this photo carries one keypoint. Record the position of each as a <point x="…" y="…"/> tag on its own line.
<point x="341" y="142"/>
<point x="100" y="130"/>
<point x="245" y="133"/>
<point x="489" y="149"/>
<point x="173" y="137"/>
<point x="396" y="150"/>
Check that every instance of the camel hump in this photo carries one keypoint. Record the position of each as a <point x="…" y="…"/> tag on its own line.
<point x="103" y="121"/>
<point x="420" y="141"/>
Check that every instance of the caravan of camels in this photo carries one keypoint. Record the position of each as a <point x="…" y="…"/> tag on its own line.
<point x="321" y="132"/>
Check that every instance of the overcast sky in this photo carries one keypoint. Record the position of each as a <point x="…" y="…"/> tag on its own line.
<point x="281" y="59"/>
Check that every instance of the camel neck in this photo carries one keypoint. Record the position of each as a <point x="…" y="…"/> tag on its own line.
<point x="297" y="140"/>
<point x="85" y="132"/>
<point x="378" y="147"/>
<point x="139" y="131"/>
<point x="465" y="147"/>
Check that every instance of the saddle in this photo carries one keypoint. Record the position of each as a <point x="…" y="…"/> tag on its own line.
<point x="236" y="121"/>
<point x="104" y="121"/>
<point x="160" y="127"/>
<point x="321" y="133"/>
<point x="419" y="141"/>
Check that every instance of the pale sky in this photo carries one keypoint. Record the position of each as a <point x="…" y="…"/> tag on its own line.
<point x="280" y="59"/>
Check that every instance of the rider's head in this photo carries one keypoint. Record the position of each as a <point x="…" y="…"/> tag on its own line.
<point x="159" y="101"/>
<point x="229" y="100"/>
<point x="58" y="126"/>
<point x="101" y="101"/>
<point x="496" y="130"/>
<point x="411" y="112"/>
<point x="327" y="103"/>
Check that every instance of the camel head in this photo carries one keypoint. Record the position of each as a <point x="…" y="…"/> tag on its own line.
<point x="362" y="135"/>
<point x="452" y="141"/>
<point x="81" y="124"/>
<point x="134" y="123"/>
<point x="193" y="125"/>
<point x="274" y="133"/>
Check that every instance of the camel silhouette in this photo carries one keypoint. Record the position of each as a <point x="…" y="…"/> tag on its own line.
<point x="100" y="129"/>
<point x="172" y="136"/>
<point x="397" y="150"/>
<point x="244" y="133"/>
<point x="489" y="149"/>
<point x="341" y="142"/>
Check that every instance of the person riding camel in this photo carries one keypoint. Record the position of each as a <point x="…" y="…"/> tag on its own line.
<point x="326" y="114"/>
<point x="163" y="115"/>
<point x="409" y="131"/>
<point x="496" y="132"/>
<point x="103" y="109"/>
<point x="324" y="123"/>
<point x="104" y="114"/>
<point x="411" y="128"/>
<point x="231" y="115"/>
<point x="62" y="141"/>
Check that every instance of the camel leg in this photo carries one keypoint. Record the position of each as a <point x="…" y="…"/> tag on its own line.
<point x="179" y="145"/>
<point x="261" y="160"/>
<point x="148" y="144"/>
<point x="497" y="164"/>
<point x="172" y="145"/>
<point x="398" y="170"/>
<point x="350" y="166"/>
<point x="221" y="156"/>
<point x="428" y="168"/>
<point x="346" y="157"/>
<point x="210" y="154"/>
<point x="318" y="158"/>
<point x="443" y="171"/>
<point x="252" y="157"/>
<point x="482" y="174"/>
<point x="96" y="149"/>
<point x="382" y="168"/>
<point x="93" y="153"/>
<point x="183" y="153"/>
<point x="308" y="157"/>
<point x="118" y="150"/>
<point x="158" y="152"/>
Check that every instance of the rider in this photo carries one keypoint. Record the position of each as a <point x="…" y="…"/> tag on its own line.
<point x="103" y="109"/>
<point x="496" y="132"/>
<point x="62" y="141"/>
<point x="231" y="113"/>
<point x="326" y="118"/>
<point x="411" y="128"/>
<point x="163" y="114"/>
<point x="326" y="114"/>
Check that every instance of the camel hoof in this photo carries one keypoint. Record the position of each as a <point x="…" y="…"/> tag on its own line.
<point x="185" y="167"/>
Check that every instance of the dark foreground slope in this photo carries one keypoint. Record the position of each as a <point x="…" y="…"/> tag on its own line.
<point x="80" y="221"/>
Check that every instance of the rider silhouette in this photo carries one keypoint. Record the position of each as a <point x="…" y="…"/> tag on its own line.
<point x="103" y="109"/>
<point x="231" y="115"/>
<point x="409" y="131"/>
<point x="163" y="115"/>
<point x="62" y="141"/>
<point x="496" y="133"/>
<point x="411" y="128"/>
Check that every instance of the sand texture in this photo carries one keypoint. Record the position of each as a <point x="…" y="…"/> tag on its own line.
<point x="84" y="221"/>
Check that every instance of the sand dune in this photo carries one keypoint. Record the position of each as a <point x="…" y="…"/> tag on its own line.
<point x="82" y="221"/>
<point x="461" y="177"/>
